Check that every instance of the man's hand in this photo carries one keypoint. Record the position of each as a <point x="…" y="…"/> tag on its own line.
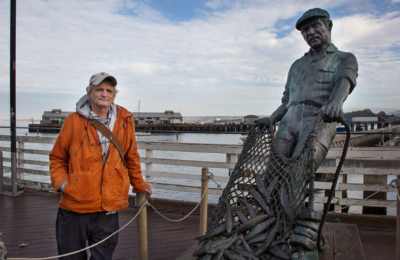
<point x="332" y="111"/>
<point x="149" y="192"/>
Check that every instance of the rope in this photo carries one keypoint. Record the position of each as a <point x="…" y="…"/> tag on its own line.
<point x="321" y="238"/>
<point x="391" y="184"/>
<point x="209" y="177"/>
<point x="83" y="249"/>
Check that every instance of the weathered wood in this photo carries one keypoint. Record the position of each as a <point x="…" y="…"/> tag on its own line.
<point x="184" y="188"/>
<point x="1" y="173"/>
<point x="38" y="172"/>
<point x="360" y="220"/>
<point x="177" y="205"/>
<point x="328" y="253"/>
<point x="375" y="179"/>
<point x="384" y="162"/>
<point x="188" y="163"/>
<point x="186" y="176"/>
<point x="398" y="220"/>
<point x="20" y="158"/>
<point x="30" y="184"/>
<point x="142" y="226"/>
<point x="366" y="152"/>
<point x="347" y="242"/>
<point x="197" y="148"/>
<point x="204" y="202"/>
<point x="360" y="171"/>
<point x="149" y="165"/>
<point x="358" y="202"/>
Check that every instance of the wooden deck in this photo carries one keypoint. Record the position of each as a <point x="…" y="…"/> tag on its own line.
<point x="30" y="218"/>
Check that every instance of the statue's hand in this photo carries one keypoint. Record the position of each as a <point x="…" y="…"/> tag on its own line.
<point x="265" y="121"/>
<point x="262" y="121"/>
<point x="332" y="111"/>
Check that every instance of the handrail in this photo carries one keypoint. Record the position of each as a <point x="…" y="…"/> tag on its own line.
<point x="357" y="155"/>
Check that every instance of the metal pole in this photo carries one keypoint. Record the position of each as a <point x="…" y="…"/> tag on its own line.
<point x="13" y="26"/>
<point x="398" y="220"/>
<point x="142" y="227"/>
<point x="204" y="202"/>
<point x="1" y="173"/>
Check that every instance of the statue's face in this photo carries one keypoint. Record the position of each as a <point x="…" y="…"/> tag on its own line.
<point x="315" y="33"/>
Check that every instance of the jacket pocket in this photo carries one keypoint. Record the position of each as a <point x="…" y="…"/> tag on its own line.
<point x="80" y="187"/>
<point x="122" y="183"/>
<point x="324" y="75"/>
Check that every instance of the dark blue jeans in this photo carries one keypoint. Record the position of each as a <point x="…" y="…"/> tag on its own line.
<point x="74" y="229"/>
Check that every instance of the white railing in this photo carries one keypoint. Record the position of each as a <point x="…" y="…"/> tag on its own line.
<point x="380" y="163"/>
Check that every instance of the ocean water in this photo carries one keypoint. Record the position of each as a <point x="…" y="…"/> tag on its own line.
<point x="172" y="138"/>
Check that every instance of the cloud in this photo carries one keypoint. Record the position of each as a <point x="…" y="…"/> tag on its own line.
<point x="233" y="57"/>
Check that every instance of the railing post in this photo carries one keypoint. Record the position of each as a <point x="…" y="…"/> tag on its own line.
<point x="142" y="227"/>
<point x="398" y="220"/>
<point x="338" y="193"/>
<point x="205" y="172"/>
<point x="21" y="156"/>
<point x="149" y="166"/>
<point x="1" y="173"/>
<point x="231" y="158"/>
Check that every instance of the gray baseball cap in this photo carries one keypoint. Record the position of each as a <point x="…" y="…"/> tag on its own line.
<point x="316" y="12"/>
<point x="97" y="78"/>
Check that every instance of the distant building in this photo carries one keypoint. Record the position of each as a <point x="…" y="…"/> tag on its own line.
<point x="55" y="116"/>
<point x="234" y="121"/>
<point x="249" y="120"/>
<point x="167" y="117"/>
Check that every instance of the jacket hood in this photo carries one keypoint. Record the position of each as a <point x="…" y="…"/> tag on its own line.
<point x="83" y="107"/>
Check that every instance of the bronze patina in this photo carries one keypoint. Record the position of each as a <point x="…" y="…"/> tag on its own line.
<point x="262" y="212"/>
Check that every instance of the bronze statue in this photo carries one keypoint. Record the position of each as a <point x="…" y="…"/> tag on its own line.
<point x="321" y="79"/>
<point x="261" y="213"/>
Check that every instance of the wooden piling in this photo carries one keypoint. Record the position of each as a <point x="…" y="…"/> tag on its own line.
<point x="142" y="227"/>
<point x="205" y="172"/>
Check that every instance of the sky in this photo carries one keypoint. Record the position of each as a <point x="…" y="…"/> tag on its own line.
<point x="197" y="57"/>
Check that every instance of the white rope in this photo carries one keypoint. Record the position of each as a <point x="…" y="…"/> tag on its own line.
<point x="83" y="249"/>
<point x="393" y="183"/>
<point x="209" y="177"/>
<point x="178" y="220"/>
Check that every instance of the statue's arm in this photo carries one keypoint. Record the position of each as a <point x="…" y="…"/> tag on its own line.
<point x="334" y="109"/>
<point x="345" y="81"/>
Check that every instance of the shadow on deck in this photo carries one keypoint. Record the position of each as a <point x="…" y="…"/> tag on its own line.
<point x="30" y="219"/>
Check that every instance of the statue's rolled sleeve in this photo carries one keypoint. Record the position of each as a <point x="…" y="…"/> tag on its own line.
<point x="348" y="69"/>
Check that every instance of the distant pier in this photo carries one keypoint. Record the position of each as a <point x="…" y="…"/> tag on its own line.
<point x="161" y="128"/>
<point x="205" y="128"/>
<point x="194" y="128"/>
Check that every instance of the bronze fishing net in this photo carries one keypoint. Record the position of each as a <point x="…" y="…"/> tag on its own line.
<point x="264" y="183"/>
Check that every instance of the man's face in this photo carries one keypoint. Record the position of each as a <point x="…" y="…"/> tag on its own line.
<point x="315" y="33"/>
<point x="102" y="95"/>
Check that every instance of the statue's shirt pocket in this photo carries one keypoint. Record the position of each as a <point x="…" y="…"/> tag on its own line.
<point x="324" y="75"/>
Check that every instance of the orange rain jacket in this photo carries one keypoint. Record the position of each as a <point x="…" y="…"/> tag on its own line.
<point x="92" y="185"/>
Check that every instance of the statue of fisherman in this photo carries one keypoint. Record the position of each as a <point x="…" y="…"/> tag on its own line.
<point x="320" y="80"/>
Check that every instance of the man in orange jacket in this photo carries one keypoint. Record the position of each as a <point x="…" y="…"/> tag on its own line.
<point x="92" y="175"/>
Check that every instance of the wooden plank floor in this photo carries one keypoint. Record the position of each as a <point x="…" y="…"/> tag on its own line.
<point x="30" y="218"/>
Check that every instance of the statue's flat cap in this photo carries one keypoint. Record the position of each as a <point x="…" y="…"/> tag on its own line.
<point x="315" y="12"/>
